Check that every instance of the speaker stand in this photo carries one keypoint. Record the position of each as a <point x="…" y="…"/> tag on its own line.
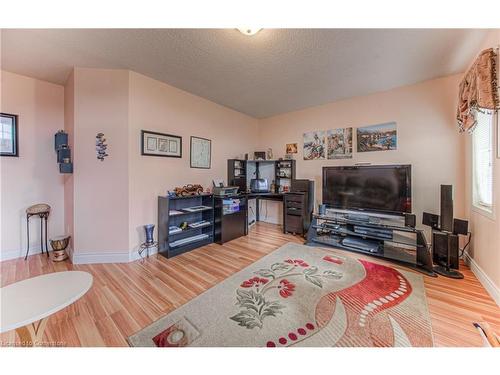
<point x="448" y="272"/>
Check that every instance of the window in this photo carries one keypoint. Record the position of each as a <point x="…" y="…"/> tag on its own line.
<point x="482" y="162"/>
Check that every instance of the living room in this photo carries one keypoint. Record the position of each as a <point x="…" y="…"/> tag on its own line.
<point x="253" y="187"/>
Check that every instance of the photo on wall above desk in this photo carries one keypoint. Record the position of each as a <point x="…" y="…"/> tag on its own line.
<point x="339" y="143"/>
<point x="201" y="152"/>
<point x="159" y="144"/>
<point x="314" y="145"/>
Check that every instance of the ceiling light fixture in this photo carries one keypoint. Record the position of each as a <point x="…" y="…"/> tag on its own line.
<point x="249" y="31"/>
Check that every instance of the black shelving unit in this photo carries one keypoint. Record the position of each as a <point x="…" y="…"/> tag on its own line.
<point x="284" y="173"/>
<point x="237" y="174"/>
<point x="405" y="245"/>
<point x="175" y="243"/>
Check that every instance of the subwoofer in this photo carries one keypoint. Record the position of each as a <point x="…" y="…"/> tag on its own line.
<point x="445" y="254"/>
<point x="410" y="220"/>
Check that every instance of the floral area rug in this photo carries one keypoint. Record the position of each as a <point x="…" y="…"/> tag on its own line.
<point x="302" y="296"/>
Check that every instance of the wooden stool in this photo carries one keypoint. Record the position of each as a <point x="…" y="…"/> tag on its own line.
<point x="59" y="245"/>
<point x="41" y="210"/>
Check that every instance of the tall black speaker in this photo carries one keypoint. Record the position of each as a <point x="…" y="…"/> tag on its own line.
<point x="447" y="208"/>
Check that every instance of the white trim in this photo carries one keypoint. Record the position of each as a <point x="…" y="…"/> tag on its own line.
<point x="14" y="254"/>
<point x="101" y="257"/>
<point x="483" y="278"/>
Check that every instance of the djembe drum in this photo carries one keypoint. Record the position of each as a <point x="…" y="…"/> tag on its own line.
<point x="59" y="245"/>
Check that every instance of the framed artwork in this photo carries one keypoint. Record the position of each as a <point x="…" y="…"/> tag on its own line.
<point x="339" y="143"/>
<point x="159" y="144"/>
<point x="314" y="145"/>
<point x="9" y="144"/>
<point x="201" y="152"/>
<point x="291" y="148"/>
<point x="381" y="137"/>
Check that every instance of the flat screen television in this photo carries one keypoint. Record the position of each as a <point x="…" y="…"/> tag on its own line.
<point x="376" y="188"/>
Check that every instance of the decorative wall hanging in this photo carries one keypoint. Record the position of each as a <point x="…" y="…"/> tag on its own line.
<point x="381" y="137"/>
<point x="100" y="146"/>
<point x="9" y="144"/>
<point x="201" y="150"/>
<point x="314" y="145"/>
<point x="159" y="144"/>
<point x="478" y="90"/>
<point x="61" y="145"/>
<point x="339" y="143"/>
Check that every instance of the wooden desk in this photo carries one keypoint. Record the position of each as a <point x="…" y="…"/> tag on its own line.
<point x="264" y="196"/>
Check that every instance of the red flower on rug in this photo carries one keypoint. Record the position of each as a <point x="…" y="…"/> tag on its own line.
<point x="330" y="259"/>
<point x="286" y="288"/>
<point x="254" y="281"/>
<point x="297" y="262"/>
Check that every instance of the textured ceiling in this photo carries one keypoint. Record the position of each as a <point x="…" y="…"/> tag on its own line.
<point x="275" y="71"/>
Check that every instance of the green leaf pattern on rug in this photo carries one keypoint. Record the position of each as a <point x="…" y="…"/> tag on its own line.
<point x="255" y="307"/>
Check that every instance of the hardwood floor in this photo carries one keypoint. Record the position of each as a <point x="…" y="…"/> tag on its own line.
<point x="127" y="297"/>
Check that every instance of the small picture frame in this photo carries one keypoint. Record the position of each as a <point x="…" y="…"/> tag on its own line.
<point x="201" y="153"/>
<point x="9" y="143"/>
<point x="160" y="144"/>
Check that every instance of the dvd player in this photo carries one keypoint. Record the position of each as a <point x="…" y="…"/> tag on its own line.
<point x="371" y="246"/>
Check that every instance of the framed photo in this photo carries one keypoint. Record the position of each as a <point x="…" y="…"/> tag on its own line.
<point x="314" y="145"/>
<point x="291" y="148"/>
<point x="9" y="144"/>
<point x="159" y="144"/>
<point x="201" y="152"/>
<point x="381" y="137"/>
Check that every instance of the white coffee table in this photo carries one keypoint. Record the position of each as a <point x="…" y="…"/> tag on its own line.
<point x="27" y="305"/>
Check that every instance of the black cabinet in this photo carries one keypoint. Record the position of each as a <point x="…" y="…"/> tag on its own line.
<point x="237" y="174"/>
<point x="230" y="218"/>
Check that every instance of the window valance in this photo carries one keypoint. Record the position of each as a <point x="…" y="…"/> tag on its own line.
<point x="478" y="90"/>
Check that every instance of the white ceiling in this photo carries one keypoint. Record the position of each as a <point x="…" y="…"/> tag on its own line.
<point x="275" y="71"/>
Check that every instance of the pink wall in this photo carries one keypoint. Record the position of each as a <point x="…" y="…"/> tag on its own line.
<point x="69" y="127"/>
<point x="427" y="137"/>
<point x="33" y="177"/>
<point x="485" y="246"/>
<point x="100" y="189"/>
<point x="159" y="107"/>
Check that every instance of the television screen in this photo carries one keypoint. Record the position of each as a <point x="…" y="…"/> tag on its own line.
<point x="380" y="188"/>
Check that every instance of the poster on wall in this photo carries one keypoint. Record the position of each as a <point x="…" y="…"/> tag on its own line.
<point x="201" y="150"/>
<point x="314" y="145"/>
<point x="381" y="137"/>
<point x="339" y="143"/>
<point x="159" y="144"/>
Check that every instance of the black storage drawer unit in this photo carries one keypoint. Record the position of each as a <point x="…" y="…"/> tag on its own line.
<point x="294" y="213"/>
<point x="230" y="218"/>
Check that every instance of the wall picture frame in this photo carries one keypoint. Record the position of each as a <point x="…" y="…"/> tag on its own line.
<point x="201" y="153"/>
<point x="9" y="137"/>
<point x="160" y="144"/>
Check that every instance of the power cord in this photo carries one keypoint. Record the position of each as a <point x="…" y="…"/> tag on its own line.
<point x="462" y="251"/>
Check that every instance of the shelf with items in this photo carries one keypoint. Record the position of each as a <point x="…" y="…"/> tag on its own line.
<point x="237" y="173"/>
<point x="394" y="242"/>
<point x="284" y="174"/>
<point x="183" y="212"/>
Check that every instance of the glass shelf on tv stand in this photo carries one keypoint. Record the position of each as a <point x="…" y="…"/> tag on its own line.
<point x="371" y="223"/>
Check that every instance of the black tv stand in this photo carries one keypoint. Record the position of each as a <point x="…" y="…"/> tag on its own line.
<point x="372" y="236"/>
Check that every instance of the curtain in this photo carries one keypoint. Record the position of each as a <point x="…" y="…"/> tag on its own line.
<point x="478" y="91"/>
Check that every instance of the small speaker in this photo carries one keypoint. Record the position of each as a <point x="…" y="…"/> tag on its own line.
<point x="65" y="167"/>
<point x="460" y="227"/>
<point x="430" y="220"/>
<point x="445" y="249"/>
<point x="410" y="220"/>
<point x="447" y="208"/>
